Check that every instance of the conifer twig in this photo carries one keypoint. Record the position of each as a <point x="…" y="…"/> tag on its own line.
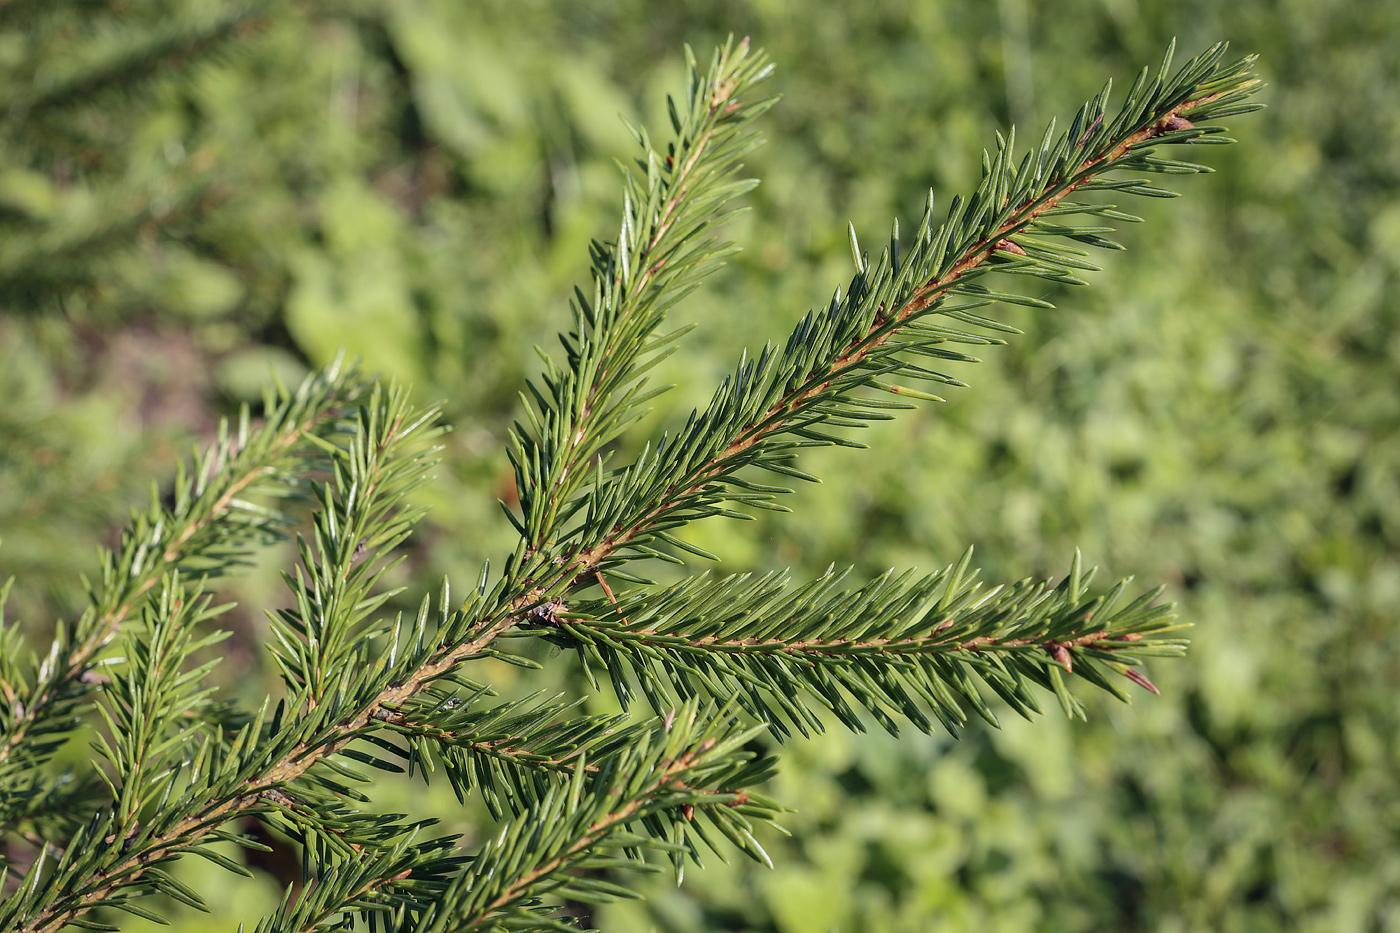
<point x="776" y="405"/>
<point x="212" y="522"/>
<point x="897" y="645"/>
<point x="664" y="247"/>
<point x="585" y="792"/>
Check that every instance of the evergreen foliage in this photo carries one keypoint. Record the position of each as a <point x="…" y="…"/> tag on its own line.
<point x="75" y="237"/>
<point x="720" y="659"/>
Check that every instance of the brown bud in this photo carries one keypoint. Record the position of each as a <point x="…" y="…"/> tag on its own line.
<point x="1006" y="246"/>
<point x="1171" y="123"/>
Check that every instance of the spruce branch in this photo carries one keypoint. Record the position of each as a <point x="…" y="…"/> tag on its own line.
<point x="361" y="518"/>
<point x="687" y="768"/>
<point x="896" y="645"/>
<point x="213" y="521"/>
<point x="292" y="767"/>
<point x="283" y="765"/>
<point x="387" y="888"/>
<point x="791" y="399"/>
<point x="147" y="698"/>
<point x="364" y="691"/>
<point x="664" y="247"/>
<point x="787" y="400"/>
<point x="508" y="753"/>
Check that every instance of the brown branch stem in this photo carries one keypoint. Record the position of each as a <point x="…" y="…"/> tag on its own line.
<point x="838" y="648"/>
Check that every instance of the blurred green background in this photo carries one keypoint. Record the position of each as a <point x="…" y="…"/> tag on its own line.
<point x="194" y="194"/>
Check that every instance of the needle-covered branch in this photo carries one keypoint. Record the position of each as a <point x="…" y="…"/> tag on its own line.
<point x="509" y="753"/>
<point x="221" y="509"/>
<point x="687" y="777"/>
<point x="902" y="312"/>
<point x="298" y="765"/>
<point x="387" y="887"/>
<point x="896" y="646"/>
<point x="284" y="762"/>
<point x="363" y="515"/>
<point x="665" y="246"/>
<point x="148" y="702"/>
<point x="365" y="689"/>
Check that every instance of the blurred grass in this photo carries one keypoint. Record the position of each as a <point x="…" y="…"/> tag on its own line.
<point x="1217" y="411"/>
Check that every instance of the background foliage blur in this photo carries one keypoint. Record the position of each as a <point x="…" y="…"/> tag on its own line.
<point x="194" y="193"/>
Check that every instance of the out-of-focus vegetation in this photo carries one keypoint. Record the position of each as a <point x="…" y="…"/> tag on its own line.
<point x="417" y="181"/>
